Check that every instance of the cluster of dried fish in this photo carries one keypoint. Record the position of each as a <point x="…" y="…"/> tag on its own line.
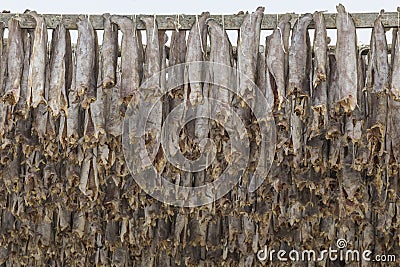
<point x="66" y="194"/>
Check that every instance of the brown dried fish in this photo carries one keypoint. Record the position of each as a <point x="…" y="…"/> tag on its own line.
<point x="377" y="83"/>
<point x="109" y="56"/>
<point x="37" y="65"/>
<point x="94" y="122"/>
<point x="346" y="57"/>
<point x="299" y="85"/>
<point x="300" y="58"/>
<point x="196" y="51"/>
<point x="3" y="58"/>
<point x="89" y="180"/>
<point x="131" y="58"/>
<point x="277" y="58"/>
<point x="15" y="61"/>
<point x="393" y="135"/>
<point x="150" y="93"/>
<point x="74" y="119"/>
<point x="86" y="53"/>
<point x="247" y="53"/>
<point x="60" y="51"/>
<point x="21" y="108"/>
<point x="320" y="84"/>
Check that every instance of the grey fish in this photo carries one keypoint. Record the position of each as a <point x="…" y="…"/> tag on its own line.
<point x="377" y="83"/>
<point x="277" y="58"/>
<point x="60" y="52"/>
<point x="247" y="53"/>
<point x="131" y="59"/>
<point x="346" y="57"/>
<point x="320" y="85"/>
<point x="85" y="72"/>
<point x="300" y="58"/>
<point x="109" y="54"/>
<point x="37" y="65"/>
<point x="15" y="61"/>
<point x="196" y="51"/>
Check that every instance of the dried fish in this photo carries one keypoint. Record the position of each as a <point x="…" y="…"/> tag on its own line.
<point x="131" y="59"/>
<point x="377" y="86"/>
<point x="299" y="85"/>
<point x="320" y="84"/>
<point x="109" y="56"/>
<point x="393" y="135"/>
<point x="3" y="58"/>
<point x="86" y="53"/>
<point x="346" y="57"/>
<point x="37" y="65"/>
<point x="15" y="61"/>
<point x="196" y="51"/>
<point x="150" y="93"/>
<point x="60" y="51"/>
<point x="300" y="58"/>
<point x="277" y="58"/>
<point x="247" y="53"/>
<point x="74" y="119"/>
<point x="22" y="108"/>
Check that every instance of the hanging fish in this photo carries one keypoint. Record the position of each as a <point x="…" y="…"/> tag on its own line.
<point x="61" y="53"/>
<point x="131" y="58"/>
<point x="15" y="61"/>
<point x="300" y="58"/>
<point x="299" y="85"/>
<point x="109" y="56"/>
<point x="346" y="57"/>
<point x="320" y="84"/>
<point x="37" y="65"/>
<point x="86" y="54"/>
<point x="196" y="51"/>
<point x="247" y="53"/>
<point x="278" y="56"/>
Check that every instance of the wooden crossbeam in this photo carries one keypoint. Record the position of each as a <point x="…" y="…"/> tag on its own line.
<point x="230" y="22"/>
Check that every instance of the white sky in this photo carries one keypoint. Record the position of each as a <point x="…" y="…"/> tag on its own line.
<point x="129" y="7"/>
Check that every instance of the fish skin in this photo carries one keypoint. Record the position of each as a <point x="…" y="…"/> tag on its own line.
<point x="221" y="53"/>
<point x="277" y="59"/>
<point x="15" y="61"/>
<point x="196" y="51"/>
<point x="298" y="90"/>
<point x="37" y="65"/>
<point x="319" y="96"/>
<point x="320" y="53"/>
<point x="247" y="54"/>
<point x="299" y="58"/>
<point x="85" y="72"/>
<point x="58" y="100"/>
<point x="346" y="57"/>
<point x="393" y="135"/>
<point x="377" y="83"/>
<point x="131" y="59"/>
<point x="74" y="119"/>
<point x="21" y="109"/>
<point x="150" y="93"/>
<point x="3" y="57"/>
<point x="109" y="54"/>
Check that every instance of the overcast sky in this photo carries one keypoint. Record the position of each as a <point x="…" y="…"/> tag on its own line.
<point x="130" y="7"/>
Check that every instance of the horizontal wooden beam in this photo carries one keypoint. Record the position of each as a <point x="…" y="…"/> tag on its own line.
<point x="230" y="22"/>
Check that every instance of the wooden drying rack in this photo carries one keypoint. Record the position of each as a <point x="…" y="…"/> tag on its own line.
<point x="185" y="22"/>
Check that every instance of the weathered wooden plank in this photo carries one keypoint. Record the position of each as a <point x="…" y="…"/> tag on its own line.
<point x="231" y="22"/>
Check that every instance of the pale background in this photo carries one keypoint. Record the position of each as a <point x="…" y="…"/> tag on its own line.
<point x="129" y="7"/>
